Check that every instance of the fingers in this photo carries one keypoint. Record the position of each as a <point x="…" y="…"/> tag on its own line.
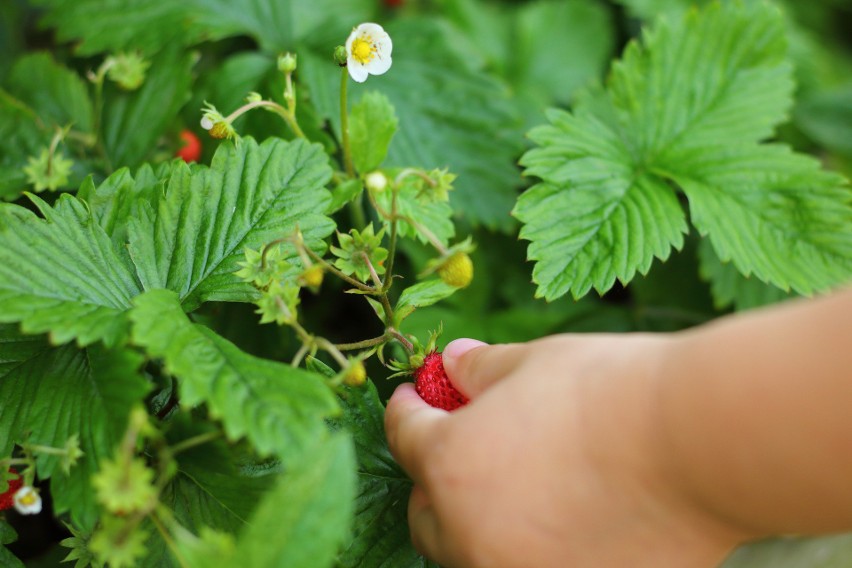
<point x="423" y="523"/>
<point x="472" y="366"/>
<point x="410" y="425"/>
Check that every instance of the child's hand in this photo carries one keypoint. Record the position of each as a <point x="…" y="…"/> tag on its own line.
<point x="556" y="461"/>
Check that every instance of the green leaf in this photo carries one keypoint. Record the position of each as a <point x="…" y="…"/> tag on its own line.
<point x="277" y="24"/>
<point x="303" y="521"/>
<point x="21" y="136"/>
<point x="557" y="47"/>
<point x="608" y="226"/>
<point x="773" y="213"/>
<point x="58" y="95"/>
<point x="730" y="288"/>
<point x="826" y="116"/>
<point x="251" y="194"/>
<point x="133" y="121"/>
<point x="112" y="202"/>
<point x="421" y="295"/>
<point x="372" y="124"/>
<point x="61" y="392"/>
<point x="226" y="86"/>
<point x="280" y="409"/>
<point x="62" y="274"/>
<point x="212" y="489"/>
<point x="648" y="9"/>
<point x="97" y="26"/>
<point x="794" y="552"/>
<point x="432" y="218"/>
<point x="8" y="536"/>
<point x="343" y="194"/>
<point x="42" y="96"/>
<point x="380" y="536"/>
<point x="676" y="112"/>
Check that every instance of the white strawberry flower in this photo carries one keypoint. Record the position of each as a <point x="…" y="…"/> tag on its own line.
<point x="27" y="501"/>
<point x="368" y="51"/>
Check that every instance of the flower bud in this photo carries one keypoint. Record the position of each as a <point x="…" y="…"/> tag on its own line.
<point x="356" y="375"/>
<point x="127" y="70"/>
<point x="376" y="182"/>
<point x="312" y="277"/>
<point x="340" y="55"/>
<point x="287" y="62"/>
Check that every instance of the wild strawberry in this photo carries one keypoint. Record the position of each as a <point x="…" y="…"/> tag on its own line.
<point x="312" y="277"/>
<point x="433" y="386"/>
<point x="6" y="499"/>
<point x="191" y="149"/>
<point x="457" y="270"/>
<point x="355" y="375"/>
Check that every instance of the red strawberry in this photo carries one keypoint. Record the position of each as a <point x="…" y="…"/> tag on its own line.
<point x="6" y="498"/>
<point x="433" y="386"/>
<point x="191" y="149"/>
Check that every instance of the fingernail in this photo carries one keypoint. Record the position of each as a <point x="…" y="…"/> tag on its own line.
<point x="459" y="347"/>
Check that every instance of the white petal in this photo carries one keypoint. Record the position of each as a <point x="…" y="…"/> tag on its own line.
<point x="369" y="28"/>
<point x="384" y="45"/>
<point x="349" y="41"/>
<point x="206" y="123"/>
<point x="357" y="71"/>
<point x="29" y="494"/>
<point x="379" y="65"/>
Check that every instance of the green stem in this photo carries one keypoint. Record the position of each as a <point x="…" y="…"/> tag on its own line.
<point x="377" y="282"/>
<point x="409" y="347"/>
<point x="266" y="248"/>
<point x="392" y="246"/>
<point x="329" y="267"/>
<point x="430" y="236"/>
<point x="300" y="354"/>
<point x="332" y="350"/>
<point x="98" y="115"/>
<point x="45" y="450"/>
<point x="168" y="539"/>
<point x="195" y="441"/>
<point x="287" y="115"/>
<point x="344" y="124"/>
<point x="408" y="172"/>
<point x="372" y="342"/>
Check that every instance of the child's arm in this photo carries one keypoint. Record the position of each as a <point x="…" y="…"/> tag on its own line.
<point x="635" y="450"/>
<point x="756" y="413"/>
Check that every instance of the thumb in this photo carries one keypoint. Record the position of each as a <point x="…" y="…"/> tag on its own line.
<point x="472" y="366"/>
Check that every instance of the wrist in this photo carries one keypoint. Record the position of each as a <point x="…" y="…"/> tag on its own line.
<point x="677" y="416"/>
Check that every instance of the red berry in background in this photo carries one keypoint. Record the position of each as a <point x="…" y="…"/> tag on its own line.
<point x="191" y="149"/>
<point x="6" y="501"/>
<point x="394" y="3"/>
<point x="433" y="386"/>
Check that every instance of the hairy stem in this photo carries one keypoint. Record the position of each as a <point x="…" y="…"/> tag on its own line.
<point x="364" y="344"/>
<point x="344" y="124"/>
<point x="348" y="279"/>
<point x="195" y="441"/>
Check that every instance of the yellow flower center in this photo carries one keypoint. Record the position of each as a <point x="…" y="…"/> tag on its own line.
<point x="363" y="50"/>
<point x="28" y="499"/>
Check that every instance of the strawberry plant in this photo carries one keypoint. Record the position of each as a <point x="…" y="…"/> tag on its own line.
<point x="196" y="336"/>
